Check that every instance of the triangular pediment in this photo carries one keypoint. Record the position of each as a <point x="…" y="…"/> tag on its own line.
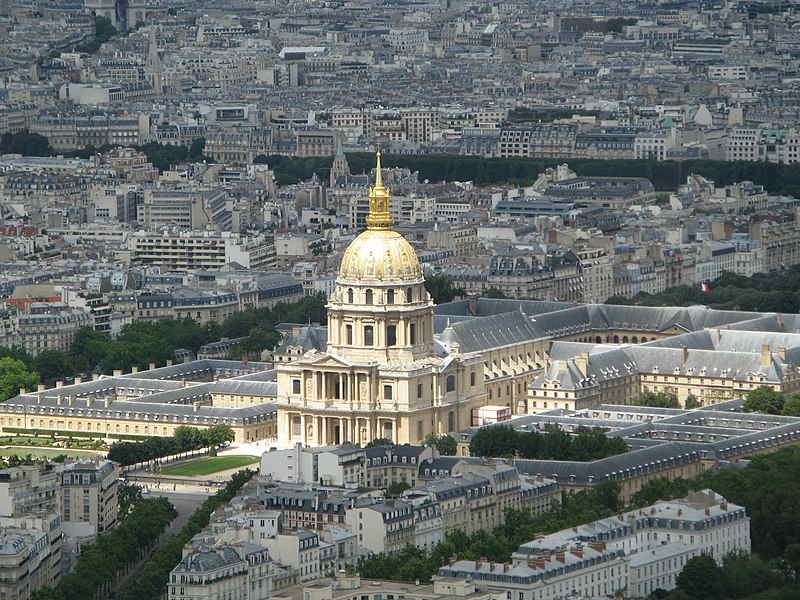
<point x="330" y="360"/>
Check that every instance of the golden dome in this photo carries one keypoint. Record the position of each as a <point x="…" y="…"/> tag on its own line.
<point x="379" y="252"/>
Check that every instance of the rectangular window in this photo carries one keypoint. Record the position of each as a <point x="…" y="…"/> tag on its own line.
<point x="412" y="334"/>
<point x="349" y="333"/>
<point x="295" y="386"/>
<point x="387" y="392"/>
<point x="419" y="390"/>
<point x="391" y="335"/>
<point x="369" y="339"/>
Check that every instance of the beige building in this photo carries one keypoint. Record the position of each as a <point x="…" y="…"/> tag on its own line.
<point x="381" y="375"/>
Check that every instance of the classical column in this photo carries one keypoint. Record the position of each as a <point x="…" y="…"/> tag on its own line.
<point x="324" y="430"/>
<point x="342" y="395"/>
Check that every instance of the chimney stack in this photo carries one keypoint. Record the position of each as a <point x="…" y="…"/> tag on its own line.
<point x="78" y="380"/>
<point x="766" y="355"/>
<point x="42" y="387"/>
<point x="59" y="384"/>
<point x="152" y="366"/>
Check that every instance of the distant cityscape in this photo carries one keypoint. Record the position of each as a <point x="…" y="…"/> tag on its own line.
<point x="396" y="253"/>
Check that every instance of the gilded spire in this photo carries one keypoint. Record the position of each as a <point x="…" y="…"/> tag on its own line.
<point x="379" y="217"/>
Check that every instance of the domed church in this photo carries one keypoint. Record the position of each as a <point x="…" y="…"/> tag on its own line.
<point x="380" y="376"/>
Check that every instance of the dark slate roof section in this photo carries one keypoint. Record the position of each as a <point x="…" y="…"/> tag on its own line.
<point x="305" y="337"/>
<point x="616" y="468"/>
<point x="491" y="332"/>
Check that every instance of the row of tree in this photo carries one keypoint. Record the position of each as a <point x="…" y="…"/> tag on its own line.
<point x="767" y="292"/>
<point x="185" y="439"/>
<point x="101" y="563"/>
<point x="143" y="342"/>
<point x="764" y="399"/>
<point x="553" y="444"/>
<point x="151" y="582"/>
<point x="665" y="176"/>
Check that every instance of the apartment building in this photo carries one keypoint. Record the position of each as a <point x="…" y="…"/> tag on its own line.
<point x="49" y="327"/>
<point x="200" y="250"/>
<point x="639" y="551"/>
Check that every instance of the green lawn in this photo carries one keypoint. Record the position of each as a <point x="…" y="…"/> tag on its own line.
<point x="45" y="452"/>
<point x="206" y="466"/>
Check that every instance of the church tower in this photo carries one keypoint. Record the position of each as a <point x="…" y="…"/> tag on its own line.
<point x="381" y="375"/>
<point x="153" y="67"/>
<point x="340" y="170"/>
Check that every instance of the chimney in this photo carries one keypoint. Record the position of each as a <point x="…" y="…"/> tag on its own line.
<point x="478" y="565"/>
<point x="561" y="557"/>
<point x="708" y="512"/>
<point x="78" y="380"/>
<point x="680" y="512"/>
<point x="152" y="366"/>
<point x="505" y="567"/>
<point x="95" y="376"/>
<point x="723" y="506"/>
<point x="653" y="511"/>
<point x="538" y="535"/>
<point x="117" y="372"/>
<point x="452" y="560"/>
<point x="134" y="369"/>
<point x="59" y="384"/>
<point x="782" y="353"/>
<point x="577" y="551"/>
<point x="472" y="302"/>
<point x="685" y="355"/>
<point x="22" y="391"/>
<point x="766" y="355"/>
<point x="42" y="387"/>
<point x="169" y="363"/>
<point x="581" y="362"/>
<point x="598" y="546"/>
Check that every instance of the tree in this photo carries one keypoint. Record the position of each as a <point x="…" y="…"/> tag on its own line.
<point x="444" y="444"/>
<point x="377" y="442"/>
<point x="662" y="399"/>
<point x="187" y="438"/>
<point x="197" y="148"/>
<point x="396" y="488"/>
<point x="129" y="494"/>
<point x="13" y="376"/>
<point x="701" y="578"/>
<point x="495" y="440"/>
<point x="88" y="348"/>
<point x="53" y="364"/>
<point x="764" y="399"/>
<point x="691" y="402"/>
<point x="493" y="292"/>
<point x="791" y="407"/>
<point x="26" y="143"/>
<point x="218" y="435"/>
<point x="440" y="287"/>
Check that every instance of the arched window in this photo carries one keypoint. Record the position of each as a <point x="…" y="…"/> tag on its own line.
<point x="412" y="333"/>
<point x="409" y="295"/>
<point x="368" y="297"/>
<point x="350" y="295"/>
<point x="349" y="332"/>
<point x="390" y="297"/>
<point x="369" y="335"/>
<point x="450" y="383"/>
<point x="391" y="335"/>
